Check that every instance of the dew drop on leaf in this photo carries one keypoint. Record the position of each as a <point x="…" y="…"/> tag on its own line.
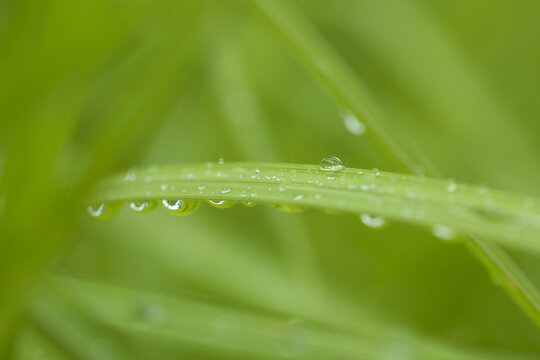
<point x="444" y="232"/>
<point x="355" y="126"/>
<point x="103" y="211"/>
<point x="221" y="204"/>
<point x="96" y="210"/>
<point x="180" y="207"/>
<point x="173" y="204"/>
<point x="142" y="206"/>
<point x="226" y="190"/>
<point x="331" y="163"/>
<point x="248" y="203"/>
<point x="372" y="221"/>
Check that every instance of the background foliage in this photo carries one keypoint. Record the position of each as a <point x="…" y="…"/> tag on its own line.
<point x="90" y="88"/>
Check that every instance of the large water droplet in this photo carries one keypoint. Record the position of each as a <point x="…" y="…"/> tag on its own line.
<point x="142" y="206"/>
<point x="444" y="232"/>
<point x="354" y="125"/>
<point x="331" y="163"/>
<point x="103" y="211"/>
<point x="372" y="221"/>
<point x="173" y="204"/>
<point x="180" y="207"/>
<point x="221" y="204"/>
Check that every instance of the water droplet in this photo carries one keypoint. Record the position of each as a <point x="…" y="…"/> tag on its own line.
<point x="201" y="187"/>
<point x="96" y="210"/>
<point x="376" y="171"/>
<point x="142" y="206"/>
<point x="103" y="211"/>
<point x="331" y="163"/>
<point x="164" y="187"/>
<point x="248" y="203"/>
<point x="257" y="174"/>
<point x="355" y="126"/>
<point x="226" y="190"/>
<point x="452" y="187"/>
<point x="221" y="204"/>
<point x="180" y="207"/>
<point x="372" y="221"/>
<point x="444" y="232"/>
<point x="297" y="197"/>
<point x="221" y="161"/>
<point x="173" y="204"/>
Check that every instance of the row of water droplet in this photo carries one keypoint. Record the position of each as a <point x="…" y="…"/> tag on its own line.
<point x="330" y="164"/>
<point x="177" y="207"/>
<point x="105" y="211"/>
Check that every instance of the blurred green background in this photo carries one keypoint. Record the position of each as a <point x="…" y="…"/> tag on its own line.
<point x="93" y="87"/>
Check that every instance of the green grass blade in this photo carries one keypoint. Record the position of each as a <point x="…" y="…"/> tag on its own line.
<point x="510" y="219"/>
<point x="340" y="81"/>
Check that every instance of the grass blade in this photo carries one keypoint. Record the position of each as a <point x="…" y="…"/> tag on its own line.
<point x="509" y="219"/>
<point x="160" y="323"/>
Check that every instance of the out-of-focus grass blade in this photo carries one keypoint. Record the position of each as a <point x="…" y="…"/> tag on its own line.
<point x="126" y="322"/>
